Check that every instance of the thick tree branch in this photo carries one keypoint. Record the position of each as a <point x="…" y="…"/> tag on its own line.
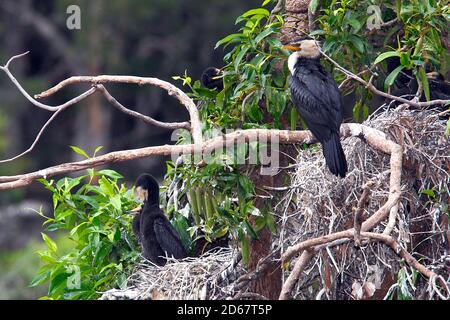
<point x="281" y="136"/>
<point x="300" y="265"/>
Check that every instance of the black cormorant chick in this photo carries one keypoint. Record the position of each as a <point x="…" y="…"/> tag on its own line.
<point x="212" y="79"/>
<point x="156" y="234"/>
<point x="318" y="100"/>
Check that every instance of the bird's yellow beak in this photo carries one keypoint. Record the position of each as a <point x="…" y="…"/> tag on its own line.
<point x="291" y="47"/>
<point x="136" y="210"/>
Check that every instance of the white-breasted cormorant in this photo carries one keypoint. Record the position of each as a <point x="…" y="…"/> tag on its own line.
<point x="157" y="236"/>
<point x="318" y="100"/>
<point x="212" y="79"/>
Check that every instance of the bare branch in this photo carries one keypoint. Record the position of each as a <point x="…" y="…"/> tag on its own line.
<point x="36" y="139"/>
<point x="36" y="103"/>
<point x="170" y="88"/>
<point x="372" y="88"/>
<point x="358" y="218"/>
<point x="410" y="260"/>
<point x="58" y="109"/>
<point x="146" y="119"/>
<point x="6" y="66"/>
<point x="283" y="136"/>
<point x="300" y="265"/>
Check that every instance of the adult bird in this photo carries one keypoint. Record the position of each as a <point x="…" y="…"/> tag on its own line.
<point x="212" y="79"/>
<point x="157" y="236"/>
<point x="318" y="100"/>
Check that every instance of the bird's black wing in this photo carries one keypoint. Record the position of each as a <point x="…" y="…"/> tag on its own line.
<point x="318" y="100"/>
<point x="137" y="227"/>
<point x="168" y="238"/>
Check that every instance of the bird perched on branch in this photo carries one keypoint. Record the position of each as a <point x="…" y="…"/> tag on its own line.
<point x="318" y="100"/>
<point x="212" y="79"/>
<point x="153" y="230"/>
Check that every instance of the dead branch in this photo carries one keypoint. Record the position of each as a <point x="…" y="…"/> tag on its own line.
<point x="410" y="260"/>
<point x="100" y="88"/>
<point x="300" y="265"/>
<point x="358" y="212"/>
<point x="282" y="136"/>
<point x="170" y="88"/>
<point x="372" y="88"/>
<point x="146" y="119"/>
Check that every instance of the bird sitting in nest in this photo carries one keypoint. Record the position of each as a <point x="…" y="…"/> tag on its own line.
<point x="153" y="230"/>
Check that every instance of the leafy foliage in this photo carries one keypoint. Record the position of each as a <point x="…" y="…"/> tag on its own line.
<point x="405" y="286"/>
<point x="220" y="195"/>
<point x="413" y="38"/>
<point x="94" y="216"/>
<point x="254" y="71"/>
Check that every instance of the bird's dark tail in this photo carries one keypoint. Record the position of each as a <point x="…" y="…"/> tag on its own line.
<point x="334" y="155"/>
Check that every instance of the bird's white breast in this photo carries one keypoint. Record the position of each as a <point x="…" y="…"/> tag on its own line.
<point x="293" y="58"/>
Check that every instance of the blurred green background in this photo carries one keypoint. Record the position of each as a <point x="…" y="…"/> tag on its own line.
<point x="158" y="38"/>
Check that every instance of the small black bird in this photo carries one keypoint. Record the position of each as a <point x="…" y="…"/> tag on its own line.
<point x="212" y="79"/>
<point x="153" y="230"/>
<point x="318" y="100"/>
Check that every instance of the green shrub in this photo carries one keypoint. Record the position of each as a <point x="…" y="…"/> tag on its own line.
<point x="92" y="209"/>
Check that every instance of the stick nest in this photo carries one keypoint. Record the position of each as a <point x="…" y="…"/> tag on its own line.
<point x="320" y="204"/>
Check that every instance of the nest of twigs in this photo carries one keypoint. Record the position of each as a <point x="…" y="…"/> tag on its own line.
<point x="318" y="203"/>
<point x="208" y="277"/>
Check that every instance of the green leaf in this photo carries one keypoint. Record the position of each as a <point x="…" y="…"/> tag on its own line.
<point x="365" y="112"/>
<point x="106" y="186"/>
<point x="386" y="55"/>
<point x="391" y="77"/>
<point x="40" y="278"/>
<point x="258" y="11"/>
<point x="250" y="230"/>
<point x="51" y="245"/>
<point x="313" y="5"/>
<point x="116" y="202"/>
<point x="266" y="2"/>
<point x="356" y="25"/>
<point x="405" y="60"/>
<point x="264" y="34"/>
<point x="429" y="192"/>
<point x="447" y="129"/>
<point x="245" y="246"/>
<point x="270" y="221"/>
<point x="57" y="284"/>
<point x="358" y="43"/>
<point x="239" y="57"/>
<point x="111" y="174"/>
<point x="399" y="9"/>
<point x="229" y="39"/>
<point x="422" y="77"/>
<point x="103" y="250"/>
<point x="356" y="110"/>
<point x="79" y="151"/>
<point x="98" y="149"/>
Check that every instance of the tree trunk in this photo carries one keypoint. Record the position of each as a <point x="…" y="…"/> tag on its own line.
<point x="269" y="282"/>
